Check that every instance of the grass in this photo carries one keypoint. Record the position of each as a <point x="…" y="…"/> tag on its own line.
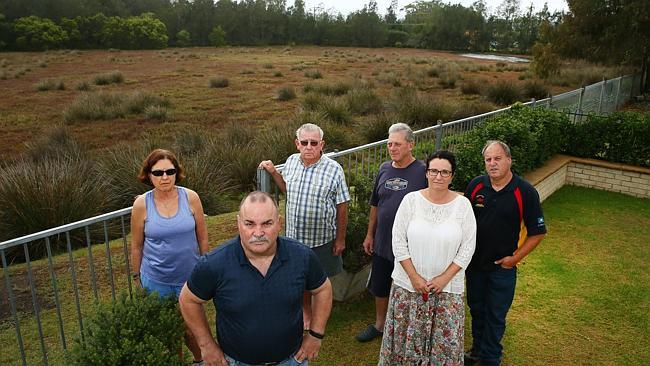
<point x="113" y="77"/>
<point x="582" y="295"/>
<point x="219" y="82"/>
<point x="503" y="93"/>
<point x="50" y="84"/>
<point x="106" y="106"/>
<point x="286" y="93"/>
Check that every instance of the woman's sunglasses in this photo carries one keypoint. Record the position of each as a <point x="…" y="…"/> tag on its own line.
<point x="159" y="173"/>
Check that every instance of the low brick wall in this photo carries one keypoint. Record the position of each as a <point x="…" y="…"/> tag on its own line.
<point x="591" y="173"/>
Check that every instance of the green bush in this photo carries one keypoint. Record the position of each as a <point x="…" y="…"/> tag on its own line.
<point x="286" y="93"/>
<point x="472" y="86"/>
<point x="419" y="110"/>
<point x="83" y="86"/>
<point x="313" y="74"/>
<point x="141" y="330"/>
<point x="156" y="112"/>
<point x="535" y="89"/>
<point x="622" y="137"/>
<point x="363" y="101"/>
<point x="448" y="80"/>
<point x="338" y="88"/>
<point x="336" y="110"/>
<point x="38" y="195"/>
<point x="354" y="257"/>
<point x="50" y="84"/>
<point x="219" y="82"/>
<point x="113" y="77"/>
<point x="503" y="93"/>
<point x="103" y="106"/>
<point x="533" y="135"/>
<point x="376" y="129"/>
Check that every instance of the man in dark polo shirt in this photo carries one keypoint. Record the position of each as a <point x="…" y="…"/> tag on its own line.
<point x="510" y="224"/>
<point x="257" y="282"/>
<point x="397" y="177"/>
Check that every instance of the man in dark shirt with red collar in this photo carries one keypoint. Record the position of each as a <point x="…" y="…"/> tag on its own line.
<point x="510" y="224"/>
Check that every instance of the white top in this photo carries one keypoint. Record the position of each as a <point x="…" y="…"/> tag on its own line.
<point x="433" y="236"/>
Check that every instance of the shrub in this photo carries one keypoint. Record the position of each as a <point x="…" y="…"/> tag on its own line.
<point x="57" y="143"/>
<point x="354" y="258"/>
<point x="535" y="89"/>
<point x="42" y="63"/>
<point x="311" y="101"/>
<point x="219" y="82"/>
<point x="336" y="110"/>
<point x="376" y="129"/>
<point x="267" y="66"/>
<point x="533" y="135"/>
<point x="83" y="86"/>
<point x="448" y="80"/>
<point x="417" y="110"/>
<point x="102" y="106"/>
<point x="433" y="72"/>
<point x="113" y="77"/>
<point x="247" y="72"/>
<point x="137" y="330"/>
<point x="156" y="112"/>
<point x="472" y="86"/>
<point x="622" y="137"/>
<point x="278" y="74"/>
<point x="50" y="84"/>
<point x="503" y="93"/>
<point x="363" y="101"/>
<point x="39" y="195"/>
<point x="286" y="93"/>
<point x="338" y="88"/>
<point x="313" y="74"/>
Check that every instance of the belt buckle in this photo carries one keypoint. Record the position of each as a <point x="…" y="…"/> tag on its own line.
<point x="270" y="363"/>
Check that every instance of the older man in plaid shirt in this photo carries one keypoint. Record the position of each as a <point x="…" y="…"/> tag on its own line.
<point x="317" y="201"/>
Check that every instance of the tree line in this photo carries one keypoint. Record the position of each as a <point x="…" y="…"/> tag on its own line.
<point x="131" y="24"/>
<point x="605" y="31"/>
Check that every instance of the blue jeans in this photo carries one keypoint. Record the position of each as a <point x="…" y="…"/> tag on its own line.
<point x="162" y="289"/>
<point x="489" y="296"/>
<point x="288" y="362"/>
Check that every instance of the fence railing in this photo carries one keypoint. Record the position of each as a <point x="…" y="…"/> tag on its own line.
<point x="43" y="302"/>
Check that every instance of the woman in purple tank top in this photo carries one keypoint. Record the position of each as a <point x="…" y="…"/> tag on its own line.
<point x="168" y="231"/>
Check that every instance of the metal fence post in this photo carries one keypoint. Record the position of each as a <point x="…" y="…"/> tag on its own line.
<point x="602" y="95"/>
<point x="263" y="180"/>
<point x="618" y="92"/>
<point x="533" y="102"/>
<point x="439" y="135"/>
<point x="578" y="114"/>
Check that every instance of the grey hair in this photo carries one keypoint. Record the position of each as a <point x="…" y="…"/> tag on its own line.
<point x="498" y="142"/>
<point x="402" y="127"/>
<point x="261" y="197"/>
<point x="309" y="127"/>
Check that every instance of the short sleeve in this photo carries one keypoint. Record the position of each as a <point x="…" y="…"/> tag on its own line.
<point x="342" y="193"/>
<point x="533" y="215"/>
<point x="202" y="281"/>
<point x="316" y="275"/>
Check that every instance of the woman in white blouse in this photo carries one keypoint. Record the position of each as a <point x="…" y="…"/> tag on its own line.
<point x="434" y="236"/>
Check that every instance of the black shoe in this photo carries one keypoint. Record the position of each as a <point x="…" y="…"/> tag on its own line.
<point x="471" y="359"/>
<point x="369" y="334"/>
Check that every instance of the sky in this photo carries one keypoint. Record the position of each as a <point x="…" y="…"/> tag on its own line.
<point x="347" y="6"/>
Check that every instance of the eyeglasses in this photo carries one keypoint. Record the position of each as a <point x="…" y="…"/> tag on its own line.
<point x="159" y="173"/>
<point x="443" y="173"/>
<point x="309" y="142"/>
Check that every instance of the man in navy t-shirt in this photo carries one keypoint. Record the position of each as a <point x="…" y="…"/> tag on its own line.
<point x="257" y="282"/>
<point x="397" y="177"/>
<point x="510" y="224"/>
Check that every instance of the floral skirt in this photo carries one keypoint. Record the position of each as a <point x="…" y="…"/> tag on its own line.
<point x="419" y="332"/>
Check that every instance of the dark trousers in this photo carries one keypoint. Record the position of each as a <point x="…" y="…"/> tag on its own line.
<point x="489" y="296"/>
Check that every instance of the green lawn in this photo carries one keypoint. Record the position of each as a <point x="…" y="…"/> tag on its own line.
<point x="583" y="296"/>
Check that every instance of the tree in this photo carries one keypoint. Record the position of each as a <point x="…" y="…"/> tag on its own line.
<point x="147" y="32"/>
<point x="611" y="31"/>
<point x="366" y="27"/>
<point x="37" y="34"/>
<point x="217" y="37"/>
<point x="183" y="38"/>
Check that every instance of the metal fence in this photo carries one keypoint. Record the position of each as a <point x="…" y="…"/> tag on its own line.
<point x="43" y="302"/>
